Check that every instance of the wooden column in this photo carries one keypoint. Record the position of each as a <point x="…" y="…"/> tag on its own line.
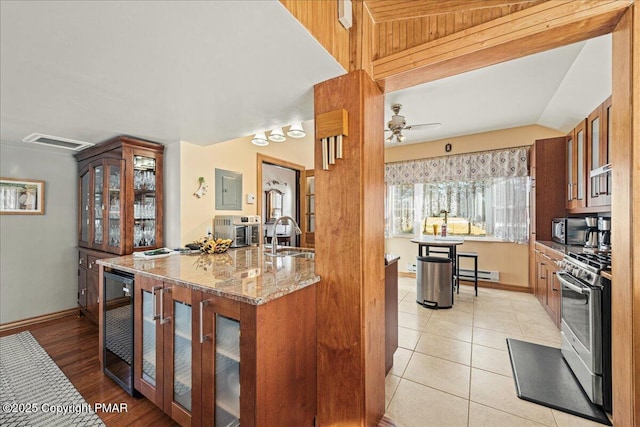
<point x="350" y="257"/>
<point x="625" y="209"/>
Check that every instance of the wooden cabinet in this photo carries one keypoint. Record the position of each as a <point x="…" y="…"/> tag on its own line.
<point x="166" y="361"/>
<point x="599" y="186"/>
<point x="120" y="196"/>
<point x="547" y="160"/>
<point x="588" y="163"/>
<point x="576" y="167"/>
<point x="88" y="283"/>
<point x="547" y="286"/>
<point x="209" y="360"/>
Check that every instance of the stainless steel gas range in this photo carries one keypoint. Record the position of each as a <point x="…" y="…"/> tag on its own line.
<point x="586" y="322"/>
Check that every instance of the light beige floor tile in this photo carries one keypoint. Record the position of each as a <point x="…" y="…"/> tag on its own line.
<point x="541" y="332"/>
<point x="494" y="339"/>
<point x="408" y="338"/>
<point x="412" y="321"/>
<point x="489" y="305"/>
<point x="410" y="306"/>
<point x="500" y="325"/>
<point x="415" y="405"/>
<point x="449" y="329"/>
<point x="400" y="361"/>
<point x="461" y="305"/>
<point x="440" y="374"/>
<point x="530" y="306"/>
<point x="491" y="359"/>
<point x="390" y="385"/>
<point x="445" y="348"/>
<point x="484" y="416"/>
<point x="499" y="392"/>
<point x="489" y="315"/>
<point x="454" y="316"/>
<point x="567" y="420"/>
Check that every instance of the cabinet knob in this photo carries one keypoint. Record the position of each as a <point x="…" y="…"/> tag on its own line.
<point x="80" y="261"/>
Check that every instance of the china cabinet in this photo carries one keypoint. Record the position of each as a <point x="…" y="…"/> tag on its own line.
<point x="119" y="207"/>
<point x="120" y="196"/>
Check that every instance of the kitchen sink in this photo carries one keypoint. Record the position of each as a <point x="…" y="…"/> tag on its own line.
<point x="293" y="253"/>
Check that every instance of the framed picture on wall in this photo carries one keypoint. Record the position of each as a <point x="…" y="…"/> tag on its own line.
<point x="21" y="196"/>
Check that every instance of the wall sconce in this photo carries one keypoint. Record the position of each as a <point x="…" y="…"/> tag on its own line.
<point x="277" y="135"/>
<point x="296" y="131"/>
<point x="260" y="139"/>
<point x="202" y="190"/>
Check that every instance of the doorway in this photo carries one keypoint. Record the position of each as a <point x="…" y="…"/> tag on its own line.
<point x="279" y="194"/>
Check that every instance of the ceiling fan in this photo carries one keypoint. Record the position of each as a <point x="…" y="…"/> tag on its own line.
<point x="398" y="123"/>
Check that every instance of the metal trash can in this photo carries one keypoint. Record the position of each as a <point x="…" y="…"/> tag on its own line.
<point x="435" y="289"/>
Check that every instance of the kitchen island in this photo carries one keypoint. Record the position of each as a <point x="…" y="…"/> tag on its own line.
<point x="198" y="318"/>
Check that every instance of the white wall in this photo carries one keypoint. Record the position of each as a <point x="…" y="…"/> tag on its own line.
<point x="172" y="196"/>
<point x="38" y="255"/>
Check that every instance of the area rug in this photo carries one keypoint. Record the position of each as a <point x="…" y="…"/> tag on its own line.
<point x="542" y="376"/>
<point x="34" y="391"/>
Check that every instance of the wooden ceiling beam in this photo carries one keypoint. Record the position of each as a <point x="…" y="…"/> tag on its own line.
<point x="391" y="10"/>
<point x="542" y="27"/>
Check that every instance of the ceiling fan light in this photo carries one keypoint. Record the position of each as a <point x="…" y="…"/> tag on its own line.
<point x="401" y="137"/>
<point x="296" y="131"/>
<point x="260" y="139"/>
<point x="277" y="135"/>
<point x="389" y="138"/>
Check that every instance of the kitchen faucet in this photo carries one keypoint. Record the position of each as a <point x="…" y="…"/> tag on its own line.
<point x="274" y="238"/>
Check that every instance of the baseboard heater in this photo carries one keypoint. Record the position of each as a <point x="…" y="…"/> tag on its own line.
<point x="484" y="275"/>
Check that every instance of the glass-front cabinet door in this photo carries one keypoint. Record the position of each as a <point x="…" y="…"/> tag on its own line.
<point x="145" y="218"/>
<point x="114" y="201"/>
<point x="227" y="363"/>
<point x="97" y="234"/>
<point x="85" y="207"/>
<point x="148" y="346"/>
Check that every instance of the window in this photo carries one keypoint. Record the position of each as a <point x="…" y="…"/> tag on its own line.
<point x="496" y="207"/>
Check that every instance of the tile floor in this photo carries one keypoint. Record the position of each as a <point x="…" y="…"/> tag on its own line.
<point x="452" y="366"/>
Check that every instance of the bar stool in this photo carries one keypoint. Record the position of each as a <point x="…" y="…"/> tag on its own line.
<point x="473" y="255"/>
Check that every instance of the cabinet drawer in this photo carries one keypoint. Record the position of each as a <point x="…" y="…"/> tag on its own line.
<point x="82" y="259"/>
<point x="91" y="262"/>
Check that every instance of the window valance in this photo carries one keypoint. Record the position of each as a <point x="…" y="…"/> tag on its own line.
<point x="468" y="167"/>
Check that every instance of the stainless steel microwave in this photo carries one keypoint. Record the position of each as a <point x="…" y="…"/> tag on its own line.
<point x="569" y="231"/>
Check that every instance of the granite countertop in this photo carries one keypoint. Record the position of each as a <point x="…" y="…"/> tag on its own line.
<point x="390" y="258"/>
<point x="243" y="274"/>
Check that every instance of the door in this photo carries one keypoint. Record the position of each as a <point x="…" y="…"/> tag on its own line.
<point x="221" y="362"/>
<point x="180" y="371"/>
<point x="148" y="346"/>
<point x="114" y="206"/>
<point x="85" y="213"/>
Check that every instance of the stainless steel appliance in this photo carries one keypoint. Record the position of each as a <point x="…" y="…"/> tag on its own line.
<point x="591" y="234"/>
<point x="243" y="230"/>
<point x="569" y="231"/>
<point x="117" y="309"/>
<point x="604" y="233"/>
<point x="586" y="322"/>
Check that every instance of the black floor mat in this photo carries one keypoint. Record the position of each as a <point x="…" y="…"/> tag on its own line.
<point x="542" y="376"/>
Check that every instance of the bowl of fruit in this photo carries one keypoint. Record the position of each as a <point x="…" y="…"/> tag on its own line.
<point x="211" y="245"/>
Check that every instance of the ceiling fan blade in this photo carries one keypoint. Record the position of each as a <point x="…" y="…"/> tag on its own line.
<point x="424" y="125"/>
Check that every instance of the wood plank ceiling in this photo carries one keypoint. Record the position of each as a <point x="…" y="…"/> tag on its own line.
<point x="402" y="24"/>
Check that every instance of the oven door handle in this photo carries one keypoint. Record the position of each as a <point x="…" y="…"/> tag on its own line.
<point x="581" y="290"/>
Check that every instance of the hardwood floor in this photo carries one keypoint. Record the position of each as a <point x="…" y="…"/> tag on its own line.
<point x="72" y="343"/>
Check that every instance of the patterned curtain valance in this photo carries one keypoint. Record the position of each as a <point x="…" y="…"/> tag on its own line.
<point x="462" y="167"/>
